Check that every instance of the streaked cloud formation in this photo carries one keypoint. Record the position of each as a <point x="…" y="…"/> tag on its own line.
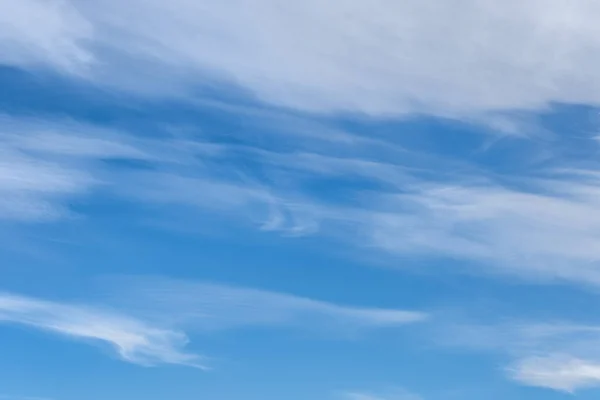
<point x="539" y="226"/>
<point x="44" y="163"/>
<point x="134" y="340"/>
<point x="207" y="307"/>
<point x="490" y="57"/>
<point x="286" y="88"/>
<point x="151" y="326"/>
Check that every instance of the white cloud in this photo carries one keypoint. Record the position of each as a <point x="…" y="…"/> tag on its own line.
<point x="134" y="340"/>
<point x="149" y="328"/>
<point x="561" y="356"/>
<point x="564" y="373"/>
<point x="206" y="307"/>
<point x="384" y="57"/>
<point x="44" y="163"/>
<point x="242" y="201"/>
<point x="36" y="33"/>
<point x="32" y="189"/>
<point x="547" y="230"/>
<point x="541" y="226"/>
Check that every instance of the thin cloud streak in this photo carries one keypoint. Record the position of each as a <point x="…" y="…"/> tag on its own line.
<point x="133" y="340"/>
<point x="45" y="163"/>
<point x="156" y="316"/>
<point x="205" y="306"/>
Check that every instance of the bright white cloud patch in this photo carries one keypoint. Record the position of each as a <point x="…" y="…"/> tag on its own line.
<point x="378" y="57"/>
<point x="562" y="373"/>
<point x="559" y="356"/>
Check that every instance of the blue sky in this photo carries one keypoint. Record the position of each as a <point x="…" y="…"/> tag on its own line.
<point x="234" y="200"/>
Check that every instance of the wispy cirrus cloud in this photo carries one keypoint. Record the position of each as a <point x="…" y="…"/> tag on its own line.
<point x="544" y="230"/>
<point x="412" y="58"/>
<point x="134" y="340"/>
<point x="157" y="316"/>
<point x="541" y="226"/>
<point x="47" y="163"/>
<point x="205" y="307"/>
<point x="44" y="163"/>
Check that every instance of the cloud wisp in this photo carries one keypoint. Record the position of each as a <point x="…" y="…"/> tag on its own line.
<point x="134" y="340"/>
<point x="206" y="307"/>
<point x="546" y="230"/>
<point x="542" y="225"/>
<point x="542" y="228"/>
<point x="157" y="332"/>
<point x="45" y="163"/>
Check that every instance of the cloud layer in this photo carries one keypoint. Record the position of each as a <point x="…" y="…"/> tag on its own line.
<point x="543" y="225"/>
<point x="385" y="57"/>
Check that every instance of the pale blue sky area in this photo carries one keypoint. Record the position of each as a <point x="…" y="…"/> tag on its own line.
<point x="271" y="200"/>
